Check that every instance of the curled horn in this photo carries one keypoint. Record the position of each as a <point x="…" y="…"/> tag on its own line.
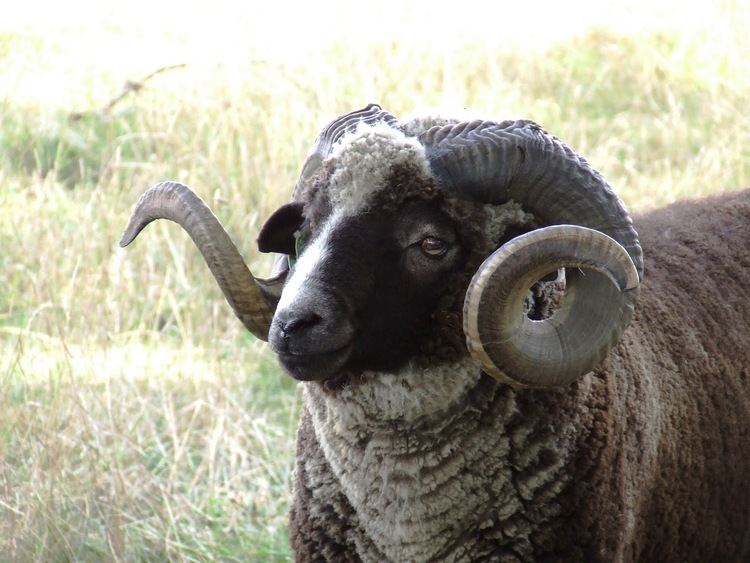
<point x="591" y="234"/>
<point x="252" y="299"/>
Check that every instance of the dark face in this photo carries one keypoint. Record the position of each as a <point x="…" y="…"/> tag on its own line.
<point x="365" y="289"/>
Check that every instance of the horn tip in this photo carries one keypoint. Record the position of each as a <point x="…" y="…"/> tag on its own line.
<point x="131" y="232"/>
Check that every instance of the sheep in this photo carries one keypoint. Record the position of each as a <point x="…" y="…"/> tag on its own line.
<point x="453" y="298"/>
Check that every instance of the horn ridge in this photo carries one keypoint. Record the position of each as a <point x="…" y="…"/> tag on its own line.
<point x="494" y="162"/>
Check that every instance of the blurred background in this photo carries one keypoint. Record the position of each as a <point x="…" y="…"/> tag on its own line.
<point x="137" y="420"/>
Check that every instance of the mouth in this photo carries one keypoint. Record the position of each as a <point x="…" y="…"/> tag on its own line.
<point x="315" y="366"/>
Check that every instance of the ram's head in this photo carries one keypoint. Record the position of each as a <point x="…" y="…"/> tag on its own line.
<point x="396" y="231"/>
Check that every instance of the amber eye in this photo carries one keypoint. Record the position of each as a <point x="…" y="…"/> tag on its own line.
<point x="433" y="246"/>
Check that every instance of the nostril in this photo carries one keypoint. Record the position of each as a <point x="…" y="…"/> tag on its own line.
<point x="299" y="323"/>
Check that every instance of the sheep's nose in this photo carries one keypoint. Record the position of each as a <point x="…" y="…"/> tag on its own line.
<point x="312" y="326"/>
<point x="298" y="323"/>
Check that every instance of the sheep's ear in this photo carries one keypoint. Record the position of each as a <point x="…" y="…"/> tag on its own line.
<point x="277" y="235"/>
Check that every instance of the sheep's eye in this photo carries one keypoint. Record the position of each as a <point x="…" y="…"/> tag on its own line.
<point x="433" y="246"/>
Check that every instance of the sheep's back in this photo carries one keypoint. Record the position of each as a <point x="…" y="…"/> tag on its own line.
<point x="689" y="357"/>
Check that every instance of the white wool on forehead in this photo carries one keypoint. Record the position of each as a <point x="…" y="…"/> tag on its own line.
<point x="363" y="163"/>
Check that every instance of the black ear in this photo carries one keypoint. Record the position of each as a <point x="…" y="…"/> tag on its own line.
<point x="277" y="235"/>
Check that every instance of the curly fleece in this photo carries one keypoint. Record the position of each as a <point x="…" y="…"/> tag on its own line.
<point x="364" y="161"/>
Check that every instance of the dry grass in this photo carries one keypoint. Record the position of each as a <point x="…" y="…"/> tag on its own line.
<point x="140" y="452"/>
<point x="137" y="420"/>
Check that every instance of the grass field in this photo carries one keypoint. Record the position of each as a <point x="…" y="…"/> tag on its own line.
<point x="138" y="422"/>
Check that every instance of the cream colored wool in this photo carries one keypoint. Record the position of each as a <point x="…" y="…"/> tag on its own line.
<point x="363" y="163"/>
